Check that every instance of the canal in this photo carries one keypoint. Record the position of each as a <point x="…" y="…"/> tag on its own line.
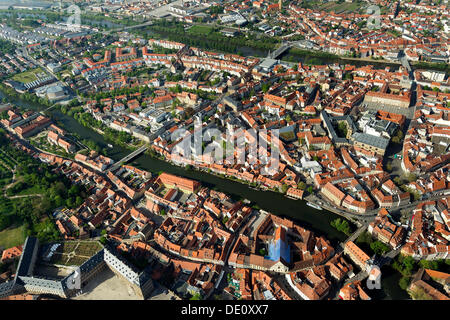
<point x="297" y="210"/>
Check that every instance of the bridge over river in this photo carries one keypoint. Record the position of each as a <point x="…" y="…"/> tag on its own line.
<point x="275" y="54"/>
<point x="128" y="157"/>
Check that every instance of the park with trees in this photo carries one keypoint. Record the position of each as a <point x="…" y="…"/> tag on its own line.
<point x="28" y="203"/>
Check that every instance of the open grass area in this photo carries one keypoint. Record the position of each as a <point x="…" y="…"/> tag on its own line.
<point x="200" y="29"/>
<point x="28" y="76"/>
<point x="12" y="236"/>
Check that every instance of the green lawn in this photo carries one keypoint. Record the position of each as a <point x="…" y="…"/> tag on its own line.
<point x="27" y="76"/>
<point x="11" y="237"/>
<point x="200" y="29"/>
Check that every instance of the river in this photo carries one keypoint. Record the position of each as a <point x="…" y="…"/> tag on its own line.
<point x="297" y="210"/>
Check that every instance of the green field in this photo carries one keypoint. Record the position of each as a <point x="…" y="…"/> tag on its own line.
<point x="27" y="76"/>
<point x="200" y="30"/>
<point x="11" y="237"/>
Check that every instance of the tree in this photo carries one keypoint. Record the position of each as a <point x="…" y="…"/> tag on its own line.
<point x="404" y="216"/>
<point x="59" y="201"/>
<point x="103" y="240"/>
<point x="5" y="221"/>
<point x="341" y="225"/>
<point x="364" y="237"/>
<point x="196" y="296"/>
<point x="379" y="247"/>
<point x="411" y="177"/>
<point x="389" y="166"/>
<point x="70" y="203"/>
<point x="342" y="129"/>
<point x="74" y="190"/>
<point x="348" y="76"/>
<point x="409" y="263"/>
<point x="398" y="137"/>
<point x="427" y="264"/>
<point x="419" y="294"/>
<point x="404" y="282"/>
<point x="301" y="185"/>
<point x="404" y="264"/>
<point x="398" y="181"/>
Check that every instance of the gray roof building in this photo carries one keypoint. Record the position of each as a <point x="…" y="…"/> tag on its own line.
<point x="368" y="139"/>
